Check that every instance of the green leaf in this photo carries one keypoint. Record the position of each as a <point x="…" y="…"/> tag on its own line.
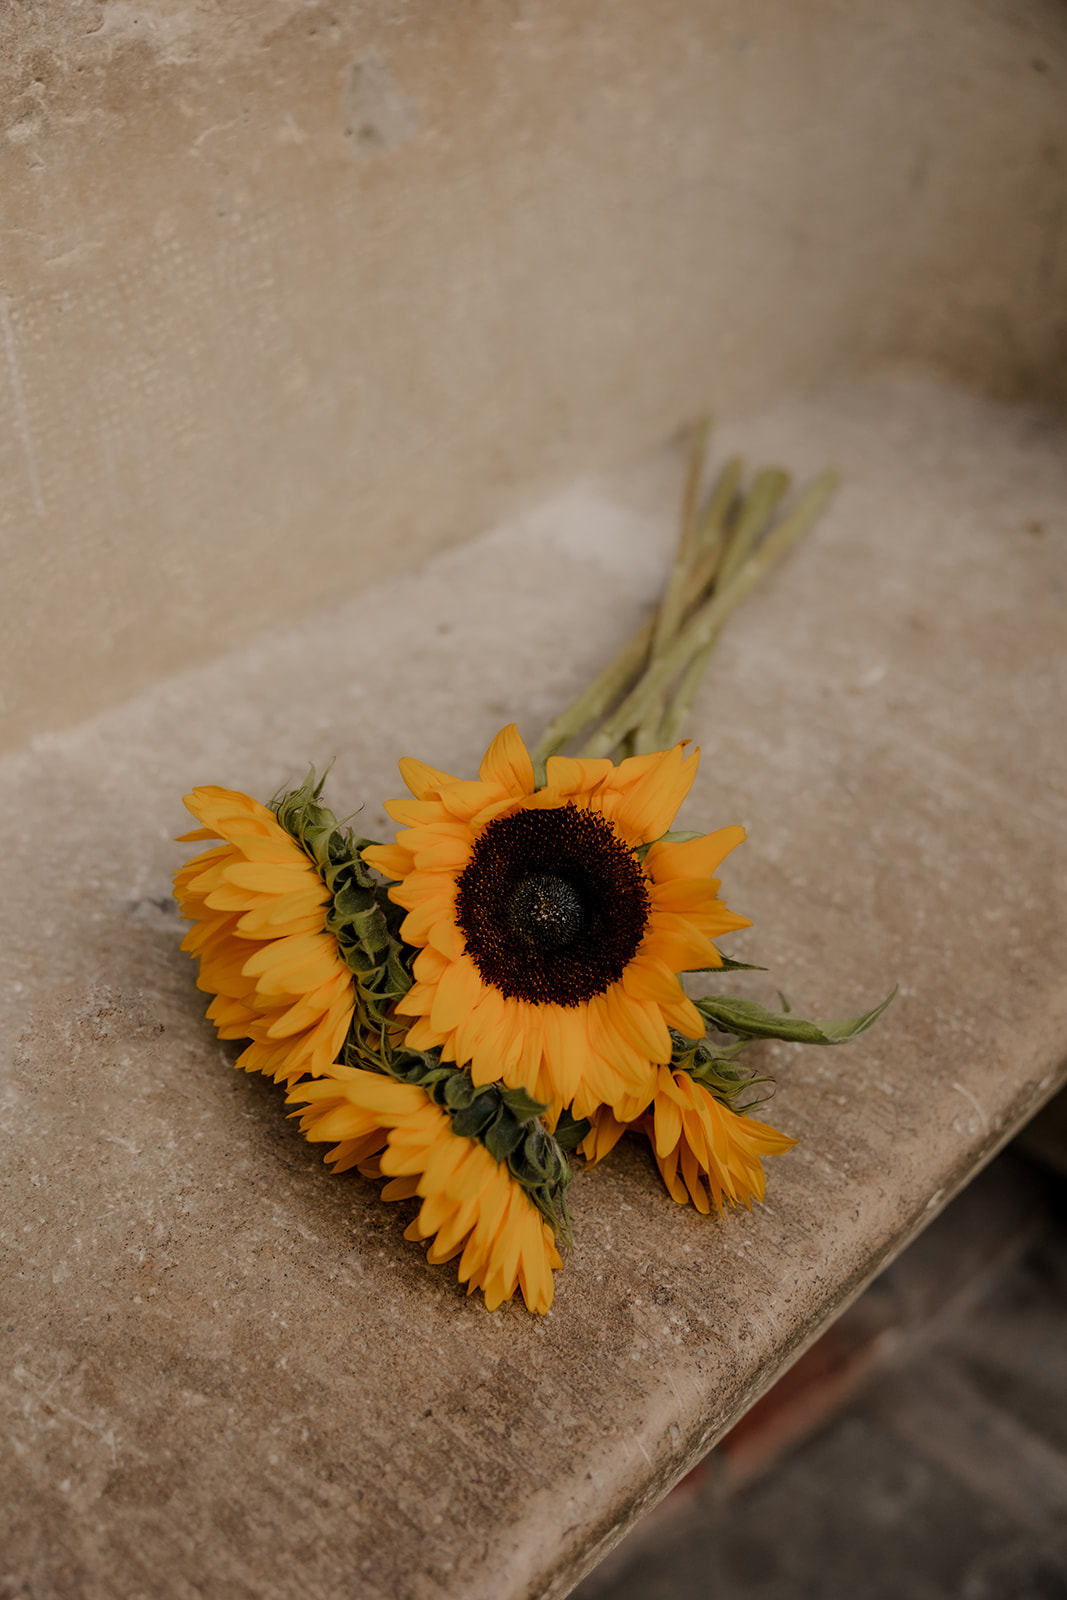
<point x="728" y="965"/>
<point x="747" y="1020"/>
<point x="522" y="1104"/>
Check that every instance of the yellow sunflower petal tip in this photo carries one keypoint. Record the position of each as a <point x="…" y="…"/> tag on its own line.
<point x="472" y="1206"/>
<point x="507" y="762"/>
<point x="706" y="1152"/>
<point x="259" y="909"/>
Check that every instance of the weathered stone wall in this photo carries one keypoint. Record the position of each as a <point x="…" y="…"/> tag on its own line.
<point x="292" y="294"/>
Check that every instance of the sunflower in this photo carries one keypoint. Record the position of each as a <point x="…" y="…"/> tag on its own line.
<point x="472" y="1205"/>
<point x="260" y="909"/>
<point x="550" y="923"/>
<point x="701" y="1146"/>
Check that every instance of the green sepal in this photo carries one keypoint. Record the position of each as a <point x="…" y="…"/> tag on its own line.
<point x="571" y="1130"/>
<point x="715" y="1067"/>
<point x="362" y="919"/>
<point x="522" y="1105"/>
<point x="502" y="1137"/>
<point x="459" y="1091"/>
<point x="747" y="1021"/>
<point x="475" y="1119"/>
<point x="506" y="1121"/>
<point x="424" y="1071"/>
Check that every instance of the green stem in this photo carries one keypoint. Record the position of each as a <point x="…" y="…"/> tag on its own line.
<point x="672" y="606"/>
<point x="703" y="627"/>
<point x="674" y="721"/>
<point x="713" y="537"/>
<point x="597" y="699"/>
<point x="646" y="737"/>
<point x="719" y="506"/>
<point x="728" y="555"/>
<point x="759" y="506"/>
<point x="679" y="592"/>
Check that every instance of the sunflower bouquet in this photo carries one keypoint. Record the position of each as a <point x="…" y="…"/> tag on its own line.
<point x="460" y="1011"/>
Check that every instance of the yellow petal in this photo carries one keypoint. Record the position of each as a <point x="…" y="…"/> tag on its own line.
<point x="668" y="1124"/>
<point x="603" y="1136"/>
<point x="275" y="877"/>
<point x="648" y="979"/>
<point x="640" y="1024"/>
<point x="465" y="800"/>
<point x="412" y="813"/>
<point x="459" y="989"/>
<point x="648" y="808"/>
<point x="420" y="1036"/>
<point x="391" y="860"/>
<point x="446" y="938"/>
<point x="423" y="781"/>
<point x="571" y="775"/>
<point x="449" y="855"/>
<point x="288" y="953"/>
<point x="693" y="858"/>
<point x="507" y="763"/>
<point x="420" y="923"/>
<point x="566" y="1033"/>
<point x="687" y="897"/>
<point x="674" y="941"/>
<point x="428" y="965"/>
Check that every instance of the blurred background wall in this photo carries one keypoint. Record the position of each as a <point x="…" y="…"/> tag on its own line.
<point x="292" y="294"/>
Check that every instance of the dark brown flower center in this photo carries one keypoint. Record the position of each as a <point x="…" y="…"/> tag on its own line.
<point x="546" y="911"/>
<point x="552" y="905"/>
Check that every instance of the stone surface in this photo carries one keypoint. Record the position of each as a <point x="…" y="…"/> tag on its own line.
<point x="960" y="1262"/>
<point x="946" y="1480"/>
<point x="937" y="1279"/>
<point x="293" y="294"/>
<point x="224" y="1372"/>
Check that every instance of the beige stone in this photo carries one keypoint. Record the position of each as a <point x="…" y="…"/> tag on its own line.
<point x="224" y="1371"/>
<point x="292" y="295"/>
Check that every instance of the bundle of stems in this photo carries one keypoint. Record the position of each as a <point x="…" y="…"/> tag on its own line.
<point x="730" y="537"/>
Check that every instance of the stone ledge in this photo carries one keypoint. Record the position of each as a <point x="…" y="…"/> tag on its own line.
<point x="224" y="1372"/>
<point x="295" y="295"/>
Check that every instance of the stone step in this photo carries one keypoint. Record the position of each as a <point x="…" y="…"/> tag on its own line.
<point x="944" y="1477"/>
<point x="963" y="1260"/>
<point x="225" y="1372"/>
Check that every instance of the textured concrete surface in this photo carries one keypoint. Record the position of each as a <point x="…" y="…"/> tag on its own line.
<point x="224" y="1372"/>
<point x="293" y="294"/>
<point x="946" y="1480"/>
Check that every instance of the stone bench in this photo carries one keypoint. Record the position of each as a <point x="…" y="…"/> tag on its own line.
<point x="225" y="1373"/>
<point x="293" y="300"/>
